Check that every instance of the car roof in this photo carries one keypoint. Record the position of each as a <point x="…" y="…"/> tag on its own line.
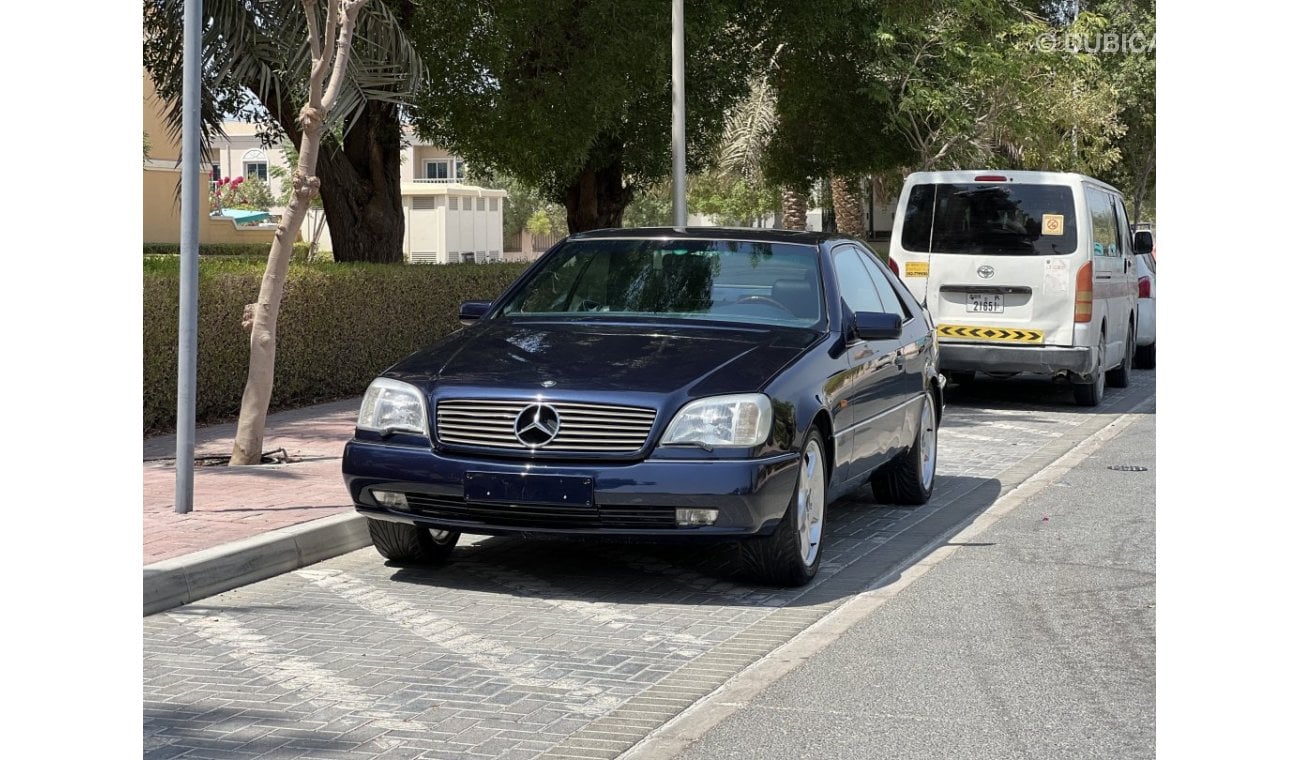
<point x="750" y="234"/>
<point x="1012" y="176"/>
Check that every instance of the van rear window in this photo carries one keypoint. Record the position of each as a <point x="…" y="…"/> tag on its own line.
<point x="982" y="218"/>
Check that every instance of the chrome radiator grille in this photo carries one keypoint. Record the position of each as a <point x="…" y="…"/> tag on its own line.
<point x="581" y="427"/>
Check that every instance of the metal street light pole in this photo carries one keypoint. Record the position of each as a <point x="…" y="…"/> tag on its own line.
<point x="679" y="113"/>
<point x="187" y="351"/>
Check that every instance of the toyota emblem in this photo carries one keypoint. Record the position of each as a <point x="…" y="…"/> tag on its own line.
<point x="537" y="425"/>
<point x="985" y="271"/>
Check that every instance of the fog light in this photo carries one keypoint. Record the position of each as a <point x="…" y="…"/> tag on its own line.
<point x="390" y="499"/>
<point x="688" y="518"/>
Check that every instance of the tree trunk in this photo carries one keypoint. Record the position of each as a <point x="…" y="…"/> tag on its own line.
<point x="829" y="223"/>
<point x="361" y="185"/>
<point x="361" y="188"/>
<point x="847" y="199"/>
<point x="794" y="209"/>
<point x="596" y="198"/>
<point x="1141" y="181"/>
<point x="250" y="431"/>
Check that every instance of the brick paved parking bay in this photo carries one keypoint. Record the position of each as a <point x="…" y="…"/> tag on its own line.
<point x="527" y="649"/>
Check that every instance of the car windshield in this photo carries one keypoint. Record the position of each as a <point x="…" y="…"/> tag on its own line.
<point x="980" y="218"/>
<point x="716" y="280"/>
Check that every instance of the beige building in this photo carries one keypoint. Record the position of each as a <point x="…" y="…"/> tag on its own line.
<point x="447" y="221"/>
<point x="162" y="176"/>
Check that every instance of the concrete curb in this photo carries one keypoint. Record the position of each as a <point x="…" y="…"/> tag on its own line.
<point x="181" y="580"/>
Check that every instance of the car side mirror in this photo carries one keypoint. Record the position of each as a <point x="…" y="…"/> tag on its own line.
<point x="876" y="325"/>
<point x="471" y="311"/>
<point x="1143" y="242"/>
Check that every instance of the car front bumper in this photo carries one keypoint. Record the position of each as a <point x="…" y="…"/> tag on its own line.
<point x="995" y="358"/>
<point x="634" y="499"/>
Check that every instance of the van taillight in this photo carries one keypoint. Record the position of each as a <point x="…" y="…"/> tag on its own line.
<point x="893" y="265"/>
<point x="990" y="178"/>
<point x="1083" y="294"/>
<point x="1144" y="287"/>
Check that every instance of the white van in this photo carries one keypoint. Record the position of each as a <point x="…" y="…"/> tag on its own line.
<point x="1022" y="272"/>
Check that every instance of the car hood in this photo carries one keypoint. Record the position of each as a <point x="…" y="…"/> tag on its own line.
<point x="503" y="354"/>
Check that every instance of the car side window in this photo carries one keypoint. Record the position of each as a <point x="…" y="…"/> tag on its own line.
<point x="888" y="296"/>
<point x="1105" y="236"/>
<point x="856" y="287"/>
<point x="1122" y="226"/>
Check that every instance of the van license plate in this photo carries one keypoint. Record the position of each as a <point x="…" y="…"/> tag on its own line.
<point x="984" y="303"/>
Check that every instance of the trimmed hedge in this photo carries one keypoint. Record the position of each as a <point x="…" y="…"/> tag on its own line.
<point x="340" y="325"/>
<point x="245" y="250"/>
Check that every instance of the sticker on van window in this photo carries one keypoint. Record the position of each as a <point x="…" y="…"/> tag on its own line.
<point x="918" y="269"/>
<point x="1097" y="250"/>
<point x="1053" y="224"/>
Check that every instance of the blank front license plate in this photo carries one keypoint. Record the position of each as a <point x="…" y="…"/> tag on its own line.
<point x="984" y="303"/>
<point x="556" y="490"/>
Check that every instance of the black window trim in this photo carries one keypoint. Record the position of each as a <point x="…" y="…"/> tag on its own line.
<point x="885" y="274"/>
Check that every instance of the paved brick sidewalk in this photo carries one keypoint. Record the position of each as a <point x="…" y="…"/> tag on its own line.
<point x="233" y="503"/>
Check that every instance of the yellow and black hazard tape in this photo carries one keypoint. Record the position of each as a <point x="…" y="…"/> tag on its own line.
<point x="1002" y="334"/>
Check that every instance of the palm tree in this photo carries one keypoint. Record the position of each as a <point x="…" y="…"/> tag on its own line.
<point x="748" y="133"/>
<point x="846" y="197"/>
<point x="256" y="64"/>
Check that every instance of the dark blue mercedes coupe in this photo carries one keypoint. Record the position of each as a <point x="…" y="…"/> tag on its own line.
<point x="706" y="384"/>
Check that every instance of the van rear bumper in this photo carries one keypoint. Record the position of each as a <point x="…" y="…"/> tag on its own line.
<point x="986" y="358"/>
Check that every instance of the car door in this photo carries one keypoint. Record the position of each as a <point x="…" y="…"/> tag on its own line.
<point x="903" y="388"/>
<point x="1127" y="299"/>
<point x="1109" y="273"/>
<point x="861" y="446"/>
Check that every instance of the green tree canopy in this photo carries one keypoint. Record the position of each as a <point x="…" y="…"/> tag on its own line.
<point x="574" y="98"/>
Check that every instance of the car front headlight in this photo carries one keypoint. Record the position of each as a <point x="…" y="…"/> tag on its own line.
<point x="391" y="406"/>
<point x="741" y="420"/>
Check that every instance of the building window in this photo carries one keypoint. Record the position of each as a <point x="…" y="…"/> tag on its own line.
<point x="454" y="203"/>
<point x="255" y="169"/>
<point x="482" y="204"/>
<point x="492" y="204"/>
<point x="437" y="169"/>
<point x="460" y="170"/>
<point x="255" y="165"/>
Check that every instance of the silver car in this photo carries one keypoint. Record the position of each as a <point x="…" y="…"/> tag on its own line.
<point x="1145" y="356"/>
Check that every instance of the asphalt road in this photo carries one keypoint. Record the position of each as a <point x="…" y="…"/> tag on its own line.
<point x="1034" y="637"/>
<point x="553" y="649"/>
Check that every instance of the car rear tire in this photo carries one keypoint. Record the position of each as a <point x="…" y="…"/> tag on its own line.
<point x="1145" y="357"/>
<point x="1119" y="377"/>
<point x="405" y="544"/>
<point x="909" y="479"/>
<point x="791" y="555"/>
<point x="1090" y="390"/>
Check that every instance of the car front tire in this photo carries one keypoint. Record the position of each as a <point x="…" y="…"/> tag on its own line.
<point x="909" y="479"/>
<point x="791" y="555"/>
<point x="405" y="544"/>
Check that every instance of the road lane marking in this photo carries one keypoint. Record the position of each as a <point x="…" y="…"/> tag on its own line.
<point x="503" y="661"/>
<point x="292" y="673"/>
